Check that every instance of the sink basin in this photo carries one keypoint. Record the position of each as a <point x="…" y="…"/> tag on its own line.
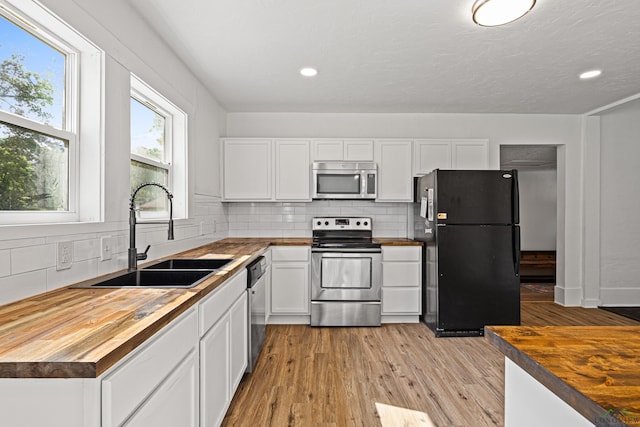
<point x="153" y="279"/>
<point x="190" y="264"/>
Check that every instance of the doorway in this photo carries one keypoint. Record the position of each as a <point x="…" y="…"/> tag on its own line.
<point x="538" y="184"/>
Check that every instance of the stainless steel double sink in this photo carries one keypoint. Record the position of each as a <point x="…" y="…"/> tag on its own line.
<point x="170" y="273"/>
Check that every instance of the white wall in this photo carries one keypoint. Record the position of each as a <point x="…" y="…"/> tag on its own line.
<point x="28" y="253"/>
<point x="564" y="131"/>
<point x="620" y="205"/>
<point x="538" y="196"/>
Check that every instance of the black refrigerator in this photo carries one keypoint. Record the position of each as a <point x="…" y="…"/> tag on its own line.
<point x="468" y="221"/>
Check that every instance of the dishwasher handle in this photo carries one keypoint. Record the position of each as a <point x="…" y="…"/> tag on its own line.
<point x="256" y="270"/>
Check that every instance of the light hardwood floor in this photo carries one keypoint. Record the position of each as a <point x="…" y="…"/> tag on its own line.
<point x="335" y="376"/>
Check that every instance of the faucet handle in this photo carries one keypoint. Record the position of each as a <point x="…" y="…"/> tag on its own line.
<point x="143" y="255"/>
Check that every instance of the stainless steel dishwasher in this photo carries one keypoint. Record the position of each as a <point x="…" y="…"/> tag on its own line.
<point x="257" y="297"/>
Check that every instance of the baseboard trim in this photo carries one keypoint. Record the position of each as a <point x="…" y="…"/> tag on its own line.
<point x="620" y="297"/>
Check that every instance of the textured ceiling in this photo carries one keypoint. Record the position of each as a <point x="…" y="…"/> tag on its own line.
<point x="403" y="56"/>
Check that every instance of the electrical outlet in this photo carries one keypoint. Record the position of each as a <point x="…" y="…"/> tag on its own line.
<point x="64" y="255"/>
<point x="214" y="226"/>
<point x="105" y="248"/>
<point x="201" y="228"/>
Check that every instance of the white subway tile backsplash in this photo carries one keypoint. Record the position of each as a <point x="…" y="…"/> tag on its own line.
<point x="27" y="266"/>
<point x="20" y="286"/>
<point x="85" y="249"/>
<point x="78" y="272"/>
<point x="5" y="262"/>
<point x="389" y="219"/>
<point x="32" y="258"/>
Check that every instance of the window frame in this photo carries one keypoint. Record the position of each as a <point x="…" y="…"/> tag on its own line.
<point x="82" y="124"/>
<point x="175" y="146"/>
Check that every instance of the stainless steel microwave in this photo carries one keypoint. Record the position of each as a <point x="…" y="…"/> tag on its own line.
<point x="344" y="180"/>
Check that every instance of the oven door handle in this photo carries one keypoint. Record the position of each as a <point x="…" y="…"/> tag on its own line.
<point x="347" y="250"/>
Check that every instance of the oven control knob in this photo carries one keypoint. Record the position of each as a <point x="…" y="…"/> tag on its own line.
<point x="326" y="223"/>
<point x="319" y="222"/>
<point x="366" y="223"/>
<point x="358" y="223"/>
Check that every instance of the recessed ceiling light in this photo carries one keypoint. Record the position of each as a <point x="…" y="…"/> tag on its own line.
<point x="491" y="13"/>
<point x="590" y="74"/>
<point x="308" y="72"/>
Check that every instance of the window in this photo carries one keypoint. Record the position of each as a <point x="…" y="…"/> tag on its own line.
<point x="50" y="76"/>
<point x="158" y="151"/>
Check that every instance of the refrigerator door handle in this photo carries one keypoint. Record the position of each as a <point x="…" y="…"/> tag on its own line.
<point x="515" y="198"/>
<point x="516" y="250"/>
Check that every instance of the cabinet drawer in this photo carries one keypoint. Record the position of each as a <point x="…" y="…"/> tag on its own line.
<point x="132" y="382"/>
<point x="401" y="274"/>
<point x="401" y="301"/>
<point x="289" y="253"/>
<point x="220" y="300"/>
<point x="401" y="253"/>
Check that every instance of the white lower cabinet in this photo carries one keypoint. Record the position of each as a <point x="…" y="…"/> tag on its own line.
<point x="215" y="371"/>
<point x="223" y="347"/>
<point x="173" y="403"/>
<point x="185" y="375"/>
<point x="146" y="380"/>
<point x="289" y="293"/>
<point x="401" y="283"/>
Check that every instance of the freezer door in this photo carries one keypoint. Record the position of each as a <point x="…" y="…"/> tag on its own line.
<point x="478" y="276"/>
<point x="477" y="197"/>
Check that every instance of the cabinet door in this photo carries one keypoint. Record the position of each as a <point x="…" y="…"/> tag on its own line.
<point x="293" y="170"/>
<point x="431" y="154"/>
<point x="469" y="154"/>
<point x="175" y="402"/>
<point x="395" y="182"/>
<point x="358" y="150"/>
<point x="401" y="274"/>
<point x="128" y="385"/>
<point x="215" y="380"/>
<point x="247" y="169"/>
<point x="290" y="288"/>
<point x="239" y="352"/>
<point x="327" y="150"/>
<point x="400" y="301"/>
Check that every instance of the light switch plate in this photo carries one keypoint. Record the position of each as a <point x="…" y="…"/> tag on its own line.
<point x="105" y="248"/>
<point x="64" y="255"/>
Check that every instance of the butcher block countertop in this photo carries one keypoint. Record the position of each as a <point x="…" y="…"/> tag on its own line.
<point x="594" y="369"/>
<point x="80" y="333"/>
<point x="393" y="241"/>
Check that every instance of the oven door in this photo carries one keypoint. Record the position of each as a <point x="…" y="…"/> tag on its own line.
<point x="343" y="275"/>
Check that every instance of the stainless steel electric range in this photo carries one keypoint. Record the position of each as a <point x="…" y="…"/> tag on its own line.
<point x="346" y="273"/>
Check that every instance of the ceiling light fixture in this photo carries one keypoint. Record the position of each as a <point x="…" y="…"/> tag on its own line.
<point x="309" y="72"/>
<point x="491" y="13"/>
<point x="590" y="74"/>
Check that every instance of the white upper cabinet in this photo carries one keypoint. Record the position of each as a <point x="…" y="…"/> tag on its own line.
<point x="247" y="169"/>
<point x="293" y="170"/>
<point x="469" y="154"/>
<point x="324" y="150"/>
<point x="430" y="154"/>
<point x="327" y="150"/>
<point x="253" y="167"/>
<point x="395" y="182"/>
<point x="358" y="150"/>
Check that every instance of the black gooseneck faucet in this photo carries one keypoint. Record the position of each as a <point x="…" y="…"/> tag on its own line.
<point x="134" y="256"/>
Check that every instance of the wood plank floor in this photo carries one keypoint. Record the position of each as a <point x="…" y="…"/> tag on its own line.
<point x="335" y="376"/>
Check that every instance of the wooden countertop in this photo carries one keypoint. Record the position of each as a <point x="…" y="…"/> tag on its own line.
<point x="80" y="333"/>
<point x="593" y="368"/>
<point x="394" y="241"/>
